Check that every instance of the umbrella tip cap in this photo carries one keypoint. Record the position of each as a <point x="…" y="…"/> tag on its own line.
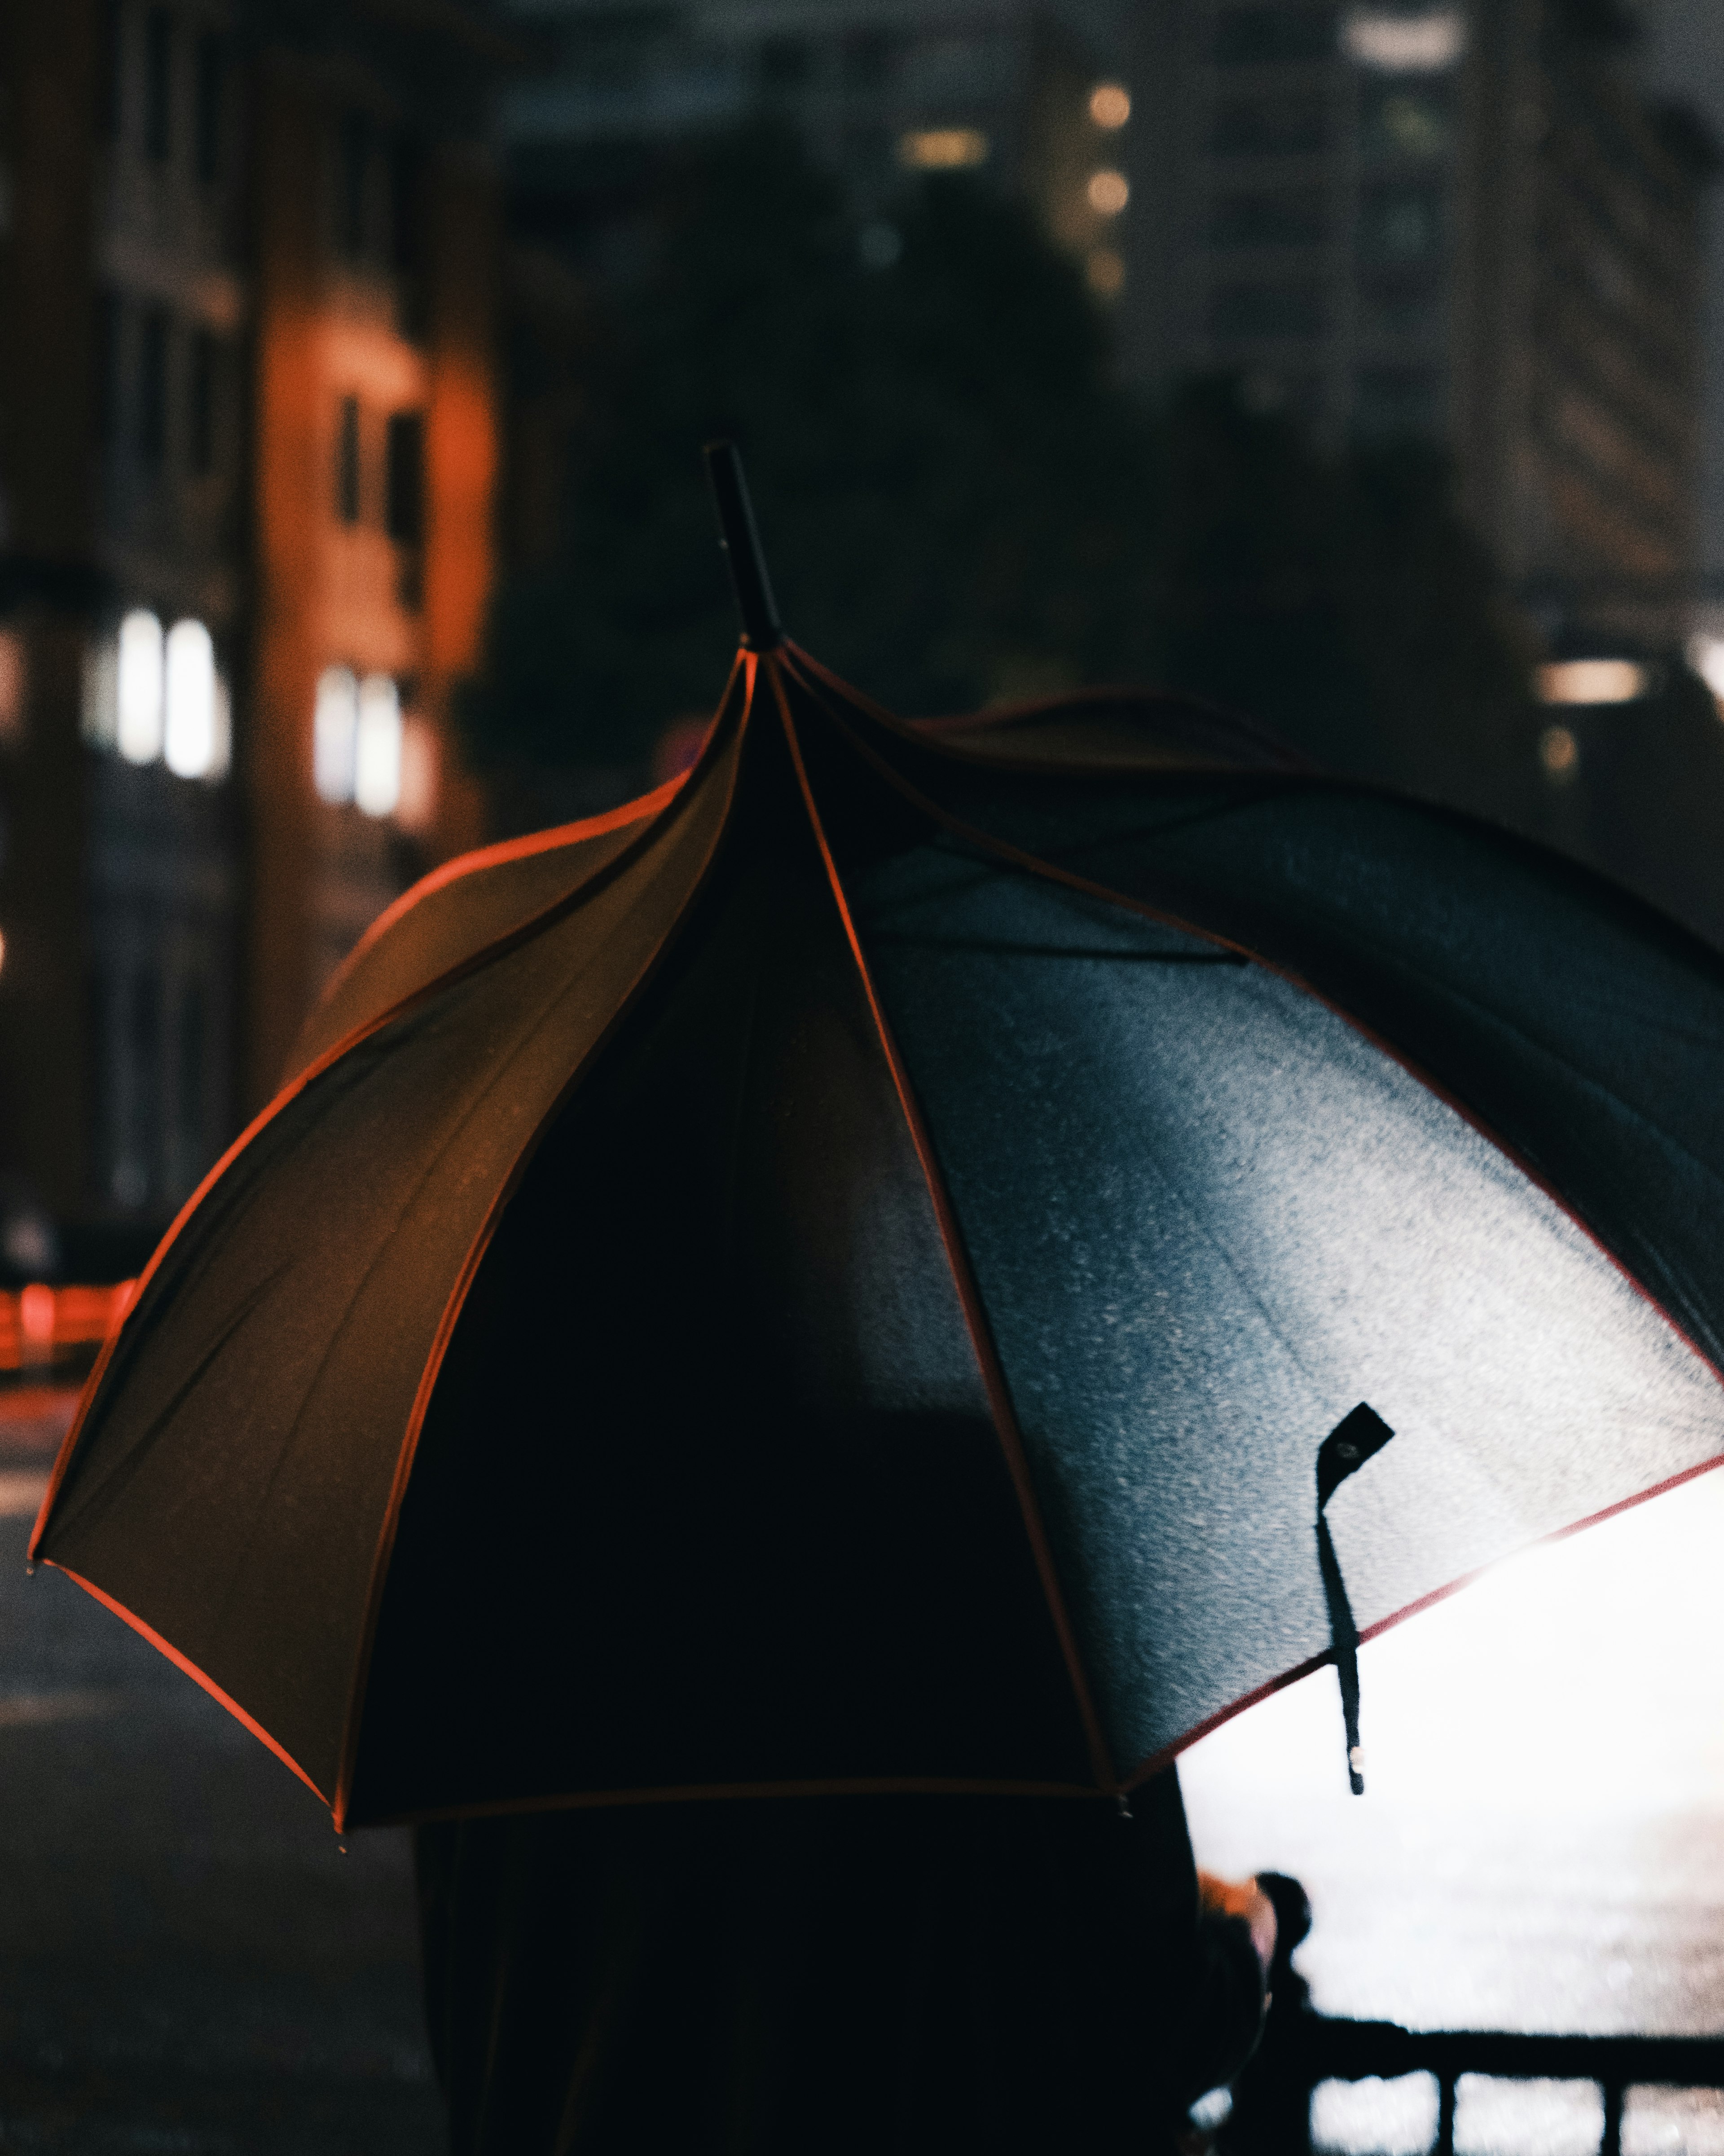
<point x="756" y="609"/>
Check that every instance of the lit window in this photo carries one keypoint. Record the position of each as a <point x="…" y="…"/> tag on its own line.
<point x="334" y="734"/>
<point x="138" y="699"/>
<point x="1109" y="104"/>
<point x="13" y="678"/>
<point x="189" y="734"/>
<point x="376" y="759"/>
<point x="1591" y="681"/>
<point x="1404" y="44"/>
<point x="1706" y="655"/>
<point x="1108" y="193"/>
<point x="1559" y="752"/>
<point x="934" y="149"/>
<point x="416" y="808"/>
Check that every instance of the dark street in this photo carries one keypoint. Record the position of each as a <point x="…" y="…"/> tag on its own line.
<point x="190" y="1963"/>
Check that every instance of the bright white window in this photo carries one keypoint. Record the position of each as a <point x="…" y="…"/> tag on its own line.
<point x="139" y="688"/>
<point x="377" y="763"/>
<point x="1427" y="42"/>
<point x="189" y="729"/>
<point x="334" y="734"/>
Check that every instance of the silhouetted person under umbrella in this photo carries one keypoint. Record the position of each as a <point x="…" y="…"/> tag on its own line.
<point x="832" y="1973"/>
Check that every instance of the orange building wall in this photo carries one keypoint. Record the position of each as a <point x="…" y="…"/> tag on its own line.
<point x="288" y="509"/>
<point x="329" y="593"/>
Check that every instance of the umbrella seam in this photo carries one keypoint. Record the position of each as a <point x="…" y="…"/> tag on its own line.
<point x="1032" y="864"/>
<point x="295" y="1086"/>
<point x="353" y="1719"/>
<point x="992" y="1375"/>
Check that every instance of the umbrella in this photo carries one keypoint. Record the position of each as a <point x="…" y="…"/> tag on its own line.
<point x="944" y="1258"/>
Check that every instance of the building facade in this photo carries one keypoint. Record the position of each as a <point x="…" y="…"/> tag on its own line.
<point x="247" y="457"/>
<point x="1461" y="222"/>
<point x="879" y="90"/>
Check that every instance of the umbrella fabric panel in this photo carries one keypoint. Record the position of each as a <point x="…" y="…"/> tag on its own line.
<point x="452" y="921"/>
<point x="239" y="1520"/>
<point x="709" y="1495"/>
<point x="1584" y="1029"/>
<point x="1208" y="1217"/>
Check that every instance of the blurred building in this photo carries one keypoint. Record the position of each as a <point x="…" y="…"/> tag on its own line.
<point x="247" y="451"/>
<point x="1456" y="220"/>
<point x="879" y="89"/>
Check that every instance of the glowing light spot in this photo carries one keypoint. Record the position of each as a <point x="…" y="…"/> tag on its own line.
<point x="1108" y="192"/>
<point x="334" y="734"/>
<point x="35" y="1322"/>
<point x="377" y="755"/>
<point x="1105" y="273"/>
<point x="1559" y="752"/>
<point x="139" y="688"/>
<point x="1591" y="681"/>
<point x="938" y="149"/>
<point x="1404" y="44"/>
<point x="1706" y="655"/>
<point x="191" y="748"/>
<point x="1109" y="104"/>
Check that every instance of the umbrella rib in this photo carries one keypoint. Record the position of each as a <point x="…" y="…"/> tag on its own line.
<point x="456" y="1299"/>
<point x="297" y="1084"/>
<point x="956" y="1258"/>
<point x="1032" y="864"/>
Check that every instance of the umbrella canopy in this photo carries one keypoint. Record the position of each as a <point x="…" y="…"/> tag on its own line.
<point x="836" y="1275"/>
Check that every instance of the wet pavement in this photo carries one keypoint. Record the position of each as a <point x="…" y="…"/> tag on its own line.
<point x="187" y="1961"/>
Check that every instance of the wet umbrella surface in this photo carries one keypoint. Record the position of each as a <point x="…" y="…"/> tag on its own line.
<point x="836" y="1276"/>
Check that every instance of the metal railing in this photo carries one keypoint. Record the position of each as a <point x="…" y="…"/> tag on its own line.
<point x="1351" y="2050"/>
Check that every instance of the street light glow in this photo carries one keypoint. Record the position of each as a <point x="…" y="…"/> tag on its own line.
<point x="1109" y="104"/>
<point x="1108" y="192"/>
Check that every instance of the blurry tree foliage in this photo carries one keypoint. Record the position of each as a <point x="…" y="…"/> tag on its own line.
<point x="960" y="505"/>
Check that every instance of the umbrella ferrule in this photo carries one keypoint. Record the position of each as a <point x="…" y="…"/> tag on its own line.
<point x="756" y="608"/>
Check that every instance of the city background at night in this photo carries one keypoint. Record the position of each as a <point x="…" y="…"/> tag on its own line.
<point x="1355" y="365"/>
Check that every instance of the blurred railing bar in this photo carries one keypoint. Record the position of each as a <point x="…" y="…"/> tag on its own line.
<point x="1333" y="2049"/>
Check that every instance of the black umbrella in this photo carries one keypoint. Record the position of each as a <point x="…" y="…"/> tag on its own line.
<point x="866" y="1269"/>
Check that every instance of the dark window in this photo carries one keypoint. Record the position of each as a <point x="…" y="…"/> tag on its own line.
<point x="193" y="1027"/>
<point x="110" y="325"/>
<point x="784" y="63"/>
<point x="200" y="428"/>
<point x="407" y="218"/>
<point x="1397" y="120"/>
<point x="404" y="478"/>
<point x="152" y="387"/>
<point x="347" y="462"/>
<point x="1398" y="400"/>
<point x="1399" y="306"/>
<point x="1294" y="216"/>
<point x="110" y="101"/>
<point x="1263" y="37"/>
<point x="1401" y="224"/>
<point x="1267" y="310"/>
<point x="868" y="58"/>
<point x="352" y="174"/>
<point x="1270" y="126"/>
<point x="143" y="1047"/>
<point x="211" y="96"/>
<point x="158" y="84"/>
